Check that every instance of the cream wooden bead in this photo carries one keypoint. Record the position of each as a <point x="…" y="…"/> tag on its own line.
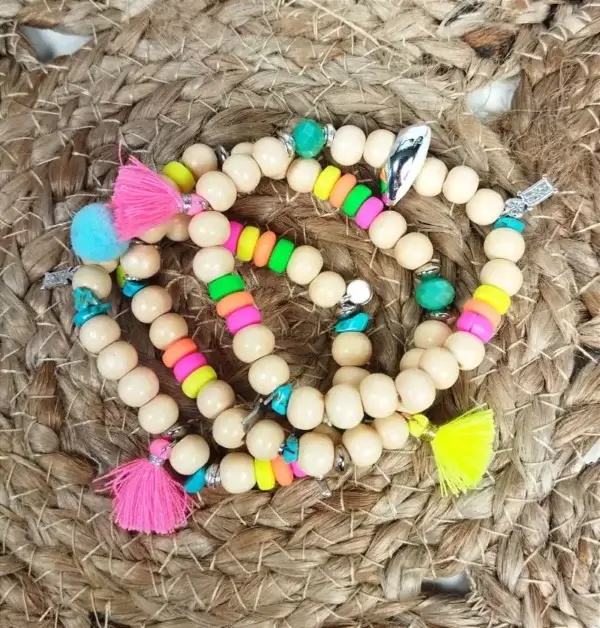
<point x="243" y="171"/>
<point x="504" y="243"/>
<point x="189" y="454"/>
<point x="316" y="454"/>
<point x="213" y="262"/>
<point x="413" y="250"/>
<point x="348" y="145"/>
<point x="117" y="360"/>
<point x="159" y="414"/>
<point x="326" y="289"/>
<point x="200" y="158"/>
<point x="387" y="229"/>
<point x="209" y="229"/>
<point x="154" y="235"/>
<point x="304" y="265"/>
<point x="378" y="394"/>
<point x="178" y="228"/>
<point x="430" y="180"/>
<point x="272" y="157"/>
<point x="393" y="431"/>
<point x="330" y="432"/>
<point x="431" y="334"/>
<point x="343" y="406"/>
<point x="485" y="207"/>
<point x="302" y="174"/>
<point x="243" y="148"/>
<point x="150" y="303"/>
<point x="378" y="147"/>
<point x="99" y="332"/>
<point x="441" y="366"/>
<point x="467" y="349"/>
<point x="352" y="348"/>
<point x="503" y="274"/>
<point x="237" y="473"/>
<point x="109" y="266"/>
<point x="138" y="387"/>
<point x="95" y="278"/>
<point x="306" y="408"/>
<point x="411" y="359"/>
<point x="253" y="342"/>
<point x="218" y="189"/>
<point x="166" y="329"/>
<point x="214" y="398"/>
<point x="264" y="439"/>
<point x="141" y="261"/>
<point x="460" y="184"/>
<point x="352" y="375"/>
<point x="363" y="444"/>
<point x="416" y="390"/>
<point x="228" y="428"/>
<point x="268" y="373"/>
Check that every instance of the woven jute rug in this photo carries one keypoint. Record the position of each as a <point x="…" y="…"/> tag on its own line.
<point x="156" y="77"/>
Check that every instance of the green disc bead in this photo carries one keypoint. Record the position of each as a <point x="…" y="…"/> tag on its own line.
<point x="225" y="285"/>
<point x="358" y="195"/>
<point x="280" y="256"/>
<point x="434" y="293"/>
<point x="309" y="138"/>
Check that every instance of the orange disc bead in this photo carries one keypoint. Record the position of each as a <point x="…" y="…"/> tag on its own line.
<point x="485" y="309"/>
<point x="341" y="190"/>
<point x="264" y="247"/>
<point x="283" y="471"/>
<point x="233" y="302"/>
<point x="179" y="349"/>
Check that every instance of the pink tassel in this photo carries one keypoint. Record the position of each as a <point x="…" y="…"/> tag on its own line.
<point x="145" y="497"/>
<point x="143" y="200"/>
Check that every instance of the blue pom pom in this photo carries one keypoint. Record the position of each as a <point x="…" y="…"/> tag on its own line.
<point x="93" y="234"/>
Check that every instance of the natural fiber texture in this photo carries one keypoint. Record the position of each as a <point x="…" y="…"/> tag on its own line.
<point x="232" y="71"/>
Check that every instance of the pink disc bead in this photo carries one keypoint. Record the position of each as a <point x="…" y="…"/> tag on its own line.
<point x="161" y="448"/>
<point x="475" y="324"/>
<point x="245" y="316"/>
<point x="368" y="211"/>
<point x="235" y="230"/>
<point x="188" y="364"/>
<point x="298" y="473"/>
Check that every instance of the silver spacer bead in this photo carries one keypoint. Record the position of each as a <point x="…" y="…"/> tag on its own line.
<point x="213" y="476"/>
<point x="289" y="143"/>
<point x="342" y="458"/>
<point x="222" y="154"/>
<point x="445" y="316"/>
<point x="431" y="269"/>
<point x="175" y="432"/>
<point x="329" y="131"/>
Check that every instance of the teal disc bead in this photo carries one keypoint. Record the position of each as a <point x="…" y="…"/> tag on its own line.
<point x="434" y="293"/>
<point x="309" y="138"/>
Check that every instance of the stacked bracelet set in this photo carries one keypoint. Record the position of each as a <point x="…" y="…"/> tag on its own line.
<point x="148" y="206"/>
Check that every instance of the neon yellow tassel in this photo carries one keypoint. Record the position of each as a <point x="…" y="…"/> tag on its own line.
<point x="462" y="448"/>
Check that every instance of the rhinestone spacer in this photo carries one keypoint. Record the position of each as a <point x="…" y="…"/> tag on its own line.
<point x="329" y="131"/>
<point x="444" y="316"/>
<point x="431" y="269"/>
<point x="213" y="476"/>
<point x="289" y="143"/>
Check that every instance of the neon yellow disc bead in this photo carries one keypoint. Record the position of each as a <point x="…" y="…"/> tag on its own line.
<point x="247" y="243"/>
<point x="325" y="182"/>
<point x="265" y="476"/>
<point x="495" y="297"/>
<point x="181" y="176"/>
<point x="196" y="381"/>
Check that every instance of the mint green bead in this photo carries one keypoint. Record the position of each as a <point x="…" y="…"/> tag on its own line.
<point x="309" y="138"/>
<point x="434" y="293"/>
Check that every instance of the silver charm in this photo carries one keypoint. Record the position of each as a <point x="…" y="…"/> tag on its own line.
<point x="175" y="432"/>
<point x="58" y="278"/>
<point x="358" y="293"/>
<point x="222" y="154"/>
<point x="329" y="131"/>
<point x="212" y="477"/>
<point x="525" y="201"/>
<point x="289" y="143"/>
<point x="257" y="412"/>
<point x="341" y="458"/>
<point x="325" y="490"/>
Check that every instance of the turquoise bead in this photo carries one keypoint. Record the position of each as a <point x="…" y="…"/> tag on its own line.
<point x="289" y="450"/>
<point x="358" y="322"/>
<point x="281" y="398"/>
<point x="434" y="293"/>
<point x="84" y="298"/>
<point x="84" y="315"/>
<point x="510" y="223"/>
<point x="309" y="138"/>
<point x="195" y="483"/>
<point x="131" y="287"/>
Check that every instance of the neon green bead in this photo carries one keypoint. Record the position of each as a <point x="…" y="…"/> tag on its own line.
<point x="280" y="256"/>
<point x="358" y="195"/>
<point x="224" y="286"/>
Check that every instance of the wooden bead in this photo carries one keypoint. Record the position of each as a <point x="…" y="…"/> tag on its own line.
<point x="352" y="348"/>
<point x="343" y="406"/>
<point x="504" y="243"/>
<point x="189" y="454"/>
<point x="460" y="184"/>
<point x="117" y="360"/>
<point x="216" y="397"/>
<point x="467" y="349"/>
<point x="378" y="395"/>
<point x="348" y="145"/>
<point x="387" y="229"/>
<point x="228" y="428"/>
<point x="306" y="408"/>
<point x="166" y="329"/>
<point x="268" y="373"/>
<point x="200" y="158"/>
<point x="138" y="387"/>
<point x="218" y="189"/>
<point x="109" y="266"/>
<point x="352" y="375"/>
<point x="95" y="278"/>
<point x="244" y="148"/>
<point x="272" y="157"/>
<point x="393" y="431"/>
<point x="413" y="250"/>
<point x="363" y="444"/>
<point x="99" y="332"/>
<point x="485" y="207"/>
<point x="211" y="263"/>
<point x="243" y="171"/>
<point x="178" y="228"/>
<point x="441" y="366"/>
<point x="150" y="303"/>
<point x="141" y="261"/>
<point x="237" y="473"/>
<point x="209" y="229"/>
<point x="430" y="180"/>
<point x="327" y="289"/>
<point x="253" y="342"/>
<point x="159" y="414"/>
<point x="316" y="454"/>
<point x="154" y="235"/>
<point x="411" y="359"/>
<point x="304" y="265"/>
<point x="503" y="274"/>
<point x="302" y="174"/>
<point x="416" y="390"/>
<point x="378" y="147"/>
<point x="431" y="334"/>
<point x="264" y="439"/>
